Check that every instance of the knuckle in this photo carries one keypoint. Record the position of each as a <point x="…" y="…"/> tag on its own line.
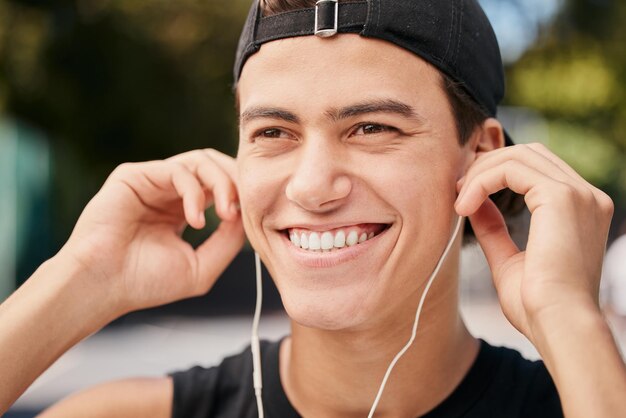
<point x="204" y="286"/>
<point x="180" y="175"/>
<point x="211" y="155"/>
<point x="480" y="184"/>
<point x="123" y="169"/>
<point x="513" y="149"/>
<point x="587" y="196"/>
<point x="189" y="159"/>
<point x="209" y="169"/>
<point x="564" y="191"/>
<point x="606" y="203"/>
<point x="178" y="157"/>
<point x="198" y="154"/>
<point x="510" y="165"/>
<point x="177" y="167"/>
<point x="538" y="146"/>
<point x="218" y="157"/>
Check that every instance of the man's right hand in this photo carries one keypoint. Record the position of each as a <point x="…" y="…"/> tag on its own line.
<point x="128" y="237"/>
<point x="125" y="253"/>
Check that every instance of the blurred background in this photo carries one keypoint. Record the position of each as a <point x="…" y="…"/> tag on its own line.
<point x="88" y="84"/>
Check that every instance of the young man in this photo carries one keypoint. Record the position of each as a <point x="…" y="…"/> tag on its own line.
<point x="360" y="134"/>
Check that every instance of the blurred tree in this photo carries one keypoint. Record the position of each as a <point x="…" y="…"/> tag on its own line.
<point x="118" y="80"/>
<point x="575" y="75"/>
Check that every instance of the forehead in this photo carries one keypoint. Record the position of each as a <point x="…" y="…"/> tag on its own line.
<point x="347" y="67"/>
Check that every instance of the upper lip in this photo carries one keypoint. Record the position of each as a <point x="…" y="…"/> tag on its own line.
<point x="328" y="226"/>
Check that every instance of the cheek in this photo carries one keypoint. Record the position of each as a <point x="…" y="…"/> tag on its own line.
<point x="422" y="182"/>
<point x="259" y="192"/>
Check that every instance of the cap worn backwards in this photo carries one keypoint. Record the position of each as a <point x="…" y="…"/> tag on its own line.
<point x="455" y="36"/>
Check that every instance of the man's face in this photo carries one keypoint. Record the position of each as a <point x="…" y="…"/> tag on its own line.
<point x="342" y="137"/>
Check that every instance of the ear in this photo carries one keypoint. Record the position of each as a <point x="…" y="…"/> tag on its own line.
<point x="487" y="137"/>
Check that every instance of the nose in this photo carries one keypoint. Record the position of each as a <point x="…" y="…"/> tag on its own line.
<point x="318" y="182"/>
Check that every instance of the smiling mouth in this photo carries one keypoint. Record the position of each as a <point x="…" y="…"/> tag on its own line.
<point x="335" y="239"/>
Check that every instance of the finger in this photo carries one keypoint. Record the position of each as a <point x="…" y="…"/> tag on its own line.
<point x="194" y="199"/>
<point x="546" y="153"/>
<point x="167" y="175"/>
<point x="218" y="251"/>
<point x="157" y="183"/>
<point x="523" y="153"/>
<point x="222" y="187"/>
<point x="229" y="165"/>
<point x="215" y="178"/>
<point x="226" y="162"/>
<point x="515" y="176"/>
<point x="493" y="236"/>
<point x="599" y="195"/>
<point x="602" y="199"/>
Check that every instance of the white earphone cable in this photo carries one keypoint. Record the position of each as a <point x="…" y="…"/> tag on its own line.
<point x="417" y="318"/>
<point x="255" y="345"/>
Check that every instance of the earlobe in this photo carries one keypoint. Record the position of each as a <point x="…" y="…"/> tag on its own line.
<point x="490" y="137"/>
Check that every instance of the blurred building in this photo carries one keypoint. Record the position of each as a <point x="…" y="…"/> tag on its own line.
<point x="24" y="203"/>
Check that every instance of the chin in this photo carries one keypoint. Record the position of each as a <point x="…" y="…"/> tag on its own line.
<point x="337" y="310"/>
<point x="322" y="318"/>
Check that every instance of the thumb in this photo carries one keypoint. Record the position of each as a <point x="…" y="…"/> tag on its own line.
<point x="493" y="237"/>
<point x="218" y="251"/>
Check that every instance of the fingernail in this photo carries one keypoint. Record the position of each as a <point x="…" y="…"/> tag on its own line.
<point x="461" y="194"/>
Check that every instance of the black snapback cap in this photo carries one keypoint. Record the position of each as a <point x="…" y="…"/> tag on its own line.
<point x="453" y="35"/>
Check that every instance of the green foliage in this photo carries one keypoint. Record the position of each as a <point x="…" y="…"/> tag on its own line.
<point x="595" y="158"/>
<point x="575" y="85"/>
<point x="120" y="80"/>
<point x="575" y="76"/>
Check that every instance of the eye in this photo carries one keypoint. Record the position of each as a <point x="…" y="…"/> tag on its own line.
<point x="273" y="139"/>
<point x="271" y="133"/>
<point x="373" y="128"/>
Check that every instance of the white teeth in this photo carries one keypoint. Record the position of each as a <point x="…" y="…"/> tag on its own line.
<point x="314" y="241"/>
<point x="327" y="241"/>
<point x="304" y="241"/>
<point x="340" y="239"/>
<point x="295" y="238"/>
<point x="352" y="238"/>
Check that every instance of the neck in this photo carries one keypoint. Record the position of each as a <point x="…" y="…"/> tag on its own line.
<point x="338" y="373"/>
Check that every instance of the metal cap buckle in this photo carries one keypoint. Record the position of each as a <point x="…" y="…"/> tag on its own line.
<point x="326" y="16"/>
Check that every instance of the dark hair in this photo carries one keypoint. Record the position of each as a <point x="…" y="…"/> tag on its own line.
<point x="274" y="7"/>
<point x="468" y="115"/>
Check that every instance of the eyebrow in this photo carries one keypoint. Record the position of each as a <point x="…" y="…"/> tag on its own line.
<point x="262" y="112"/>
<point x="374" y="106"/>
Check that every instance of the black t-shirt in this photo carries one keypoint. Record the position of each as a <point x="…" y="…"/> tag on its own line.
<point x="500" y="383"/>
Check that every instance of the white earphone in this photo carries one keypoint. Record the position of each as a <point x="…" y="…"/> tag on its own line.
<point x="255" y="347"/>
